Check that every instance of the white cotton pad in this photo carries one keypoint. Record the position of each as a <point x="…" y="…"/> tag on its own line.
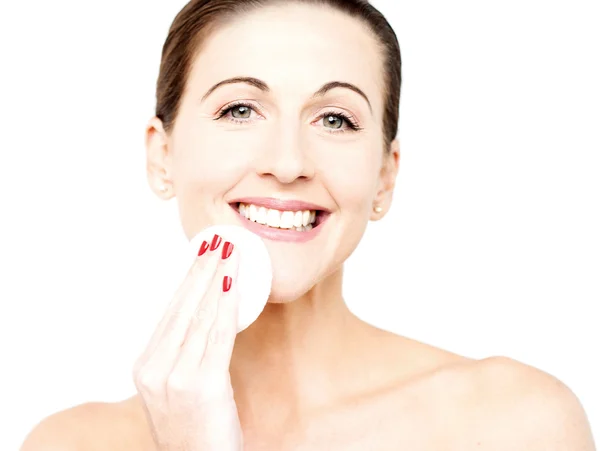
<point x="255" y="271"/>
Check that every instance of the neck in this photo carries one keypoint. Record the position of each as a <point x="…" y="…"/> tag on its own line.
<point x="292" y="359"/>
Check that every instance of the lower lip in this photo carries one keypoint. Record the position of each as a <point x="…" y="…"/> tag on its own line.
<point x="271" y="233"/>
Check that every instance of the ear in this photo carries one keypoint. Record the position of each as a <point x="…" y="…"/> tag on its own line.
<point x="158" y="159"/>
<point x="387" y="181"/>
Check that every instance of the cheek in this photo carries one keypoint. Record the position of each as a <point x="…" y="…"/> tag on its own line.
<point x="350" y="178"/>
<point x="209" y="162"/>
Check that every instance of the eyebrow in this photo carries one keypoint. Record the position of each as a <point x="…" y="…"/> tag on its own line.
<point x="265" y="88"/>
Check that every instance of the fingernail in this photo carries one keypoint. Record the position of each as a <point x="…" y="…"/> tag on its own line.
<point x="215" y="242"/>
<point x="203" y="248"/>
<point x="226" y="284"/>
<point x="227" y="250"/>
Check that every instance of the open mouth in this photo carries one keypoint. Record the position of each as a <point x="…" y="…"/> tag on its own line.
<point x="293" y="221"/>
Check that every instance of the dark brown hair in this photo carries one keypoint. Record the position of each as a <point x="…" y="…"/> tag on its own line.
<point x="199" y="18"/>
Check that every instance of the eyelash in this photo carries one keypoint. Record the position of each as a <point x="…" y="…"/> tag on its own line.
<point x="352" y="124"/>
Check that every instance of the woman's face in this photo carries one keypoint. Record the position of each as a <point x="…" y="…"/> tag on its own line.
<point x="285" y="142"/>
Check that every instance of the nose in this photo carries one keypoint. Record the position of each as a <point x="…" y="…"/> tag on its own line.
<point x="285" y="157"/>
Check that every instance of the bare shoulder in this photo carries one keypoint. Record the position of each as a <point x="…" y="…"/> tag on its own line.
<point x="92" y="426"/>
<point x="515" y="406"/>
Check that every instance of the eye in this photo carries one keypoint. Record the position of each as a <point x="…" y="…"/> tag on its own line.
<point x="240" y="113"/>
<point x="242" y="110"/>
<point x="335" y="121"/>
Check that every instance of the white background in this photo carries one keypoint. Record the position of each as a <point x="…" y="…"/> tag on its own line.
<point x="491" y="248"/>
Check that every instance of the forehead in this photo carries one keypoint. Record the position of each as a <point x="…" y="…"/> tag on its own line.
<point x="295" y="48"/>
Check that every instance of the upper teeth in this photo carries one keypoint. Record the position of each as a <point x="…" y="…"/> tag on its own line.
<point x="277" y="218"/>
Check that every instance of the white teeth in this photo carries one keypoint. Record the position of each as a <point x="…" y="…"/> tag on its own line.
<point x="273" y="218"/>
<point x="253" y="213"/>
<point x="300" y="221"/>
<point x="287" y="220"/>
<point x="261" y="217"/>
<point x="305" y="217"/>
<point x="304" y="228"/>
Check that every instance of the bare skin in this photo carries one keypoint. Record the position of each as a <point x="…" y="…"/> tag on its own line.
<point x="308" y="374"/>
<point x="359" y="418"/>
<point x="445" y="402"/>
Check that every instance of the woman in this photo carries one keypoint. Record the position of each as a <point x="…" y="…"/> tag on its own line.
<point x="293" y="107"/>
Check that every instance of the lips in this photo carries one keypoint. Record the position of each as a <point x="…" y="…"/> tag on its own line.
<point x="276" y="234"/>
<point x="320" y="216"/>
<point x="280" y="204"/>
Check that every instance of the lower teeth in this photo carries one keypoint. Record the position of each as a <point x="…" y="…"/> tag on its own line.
<point x="297" y="229"/>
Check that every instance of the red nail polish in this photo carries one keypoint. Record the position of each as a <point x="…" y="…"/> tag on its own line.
<point x="226" y="284"/>
<point x="215" y="242"/>
<point x="227" y="250"/>
<point x="203" y="248"/>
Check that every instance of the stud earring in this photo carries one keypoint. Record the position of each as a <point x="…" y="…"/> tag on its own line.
<point x="162" y="189"/>
<point x="378" y="209"/>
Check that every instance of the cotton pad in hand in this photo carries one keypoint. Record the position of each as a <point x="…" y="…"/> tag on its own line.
<point x="254" y="273"/>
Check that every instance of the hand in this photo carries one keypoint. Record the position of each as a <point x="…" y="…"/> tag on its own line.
<point x="183" y="375"/>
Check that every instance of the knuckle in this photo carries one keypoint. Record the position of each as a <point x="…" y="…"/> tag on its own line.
<point x="202" y="317"/>
<point x="175" y="318"/>
<point x="177" y="383"/>
<point x="218" y="336"/>
<point x="149" y="381"/>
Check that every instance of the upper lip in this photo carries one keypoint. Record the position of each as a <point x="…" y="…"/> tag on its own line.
<point x="280" y="204"/>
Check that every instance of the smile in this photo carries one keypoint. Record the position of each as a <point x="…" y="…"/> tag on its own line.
<point x="281" y="225"/>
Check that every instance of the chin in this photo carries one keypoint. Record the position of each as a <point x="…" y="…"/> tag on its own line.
<point x="291" y="283"/>
<point x="284" y="291"/>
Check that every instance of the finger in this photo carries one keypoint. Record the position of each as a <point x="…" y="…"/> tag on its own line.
<point x="224" y="329"/>
<point x="177" y="305"/>
<point x="171" y="331"/>
<point x="174" y="306"/>
<point x="205" y="333"/>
